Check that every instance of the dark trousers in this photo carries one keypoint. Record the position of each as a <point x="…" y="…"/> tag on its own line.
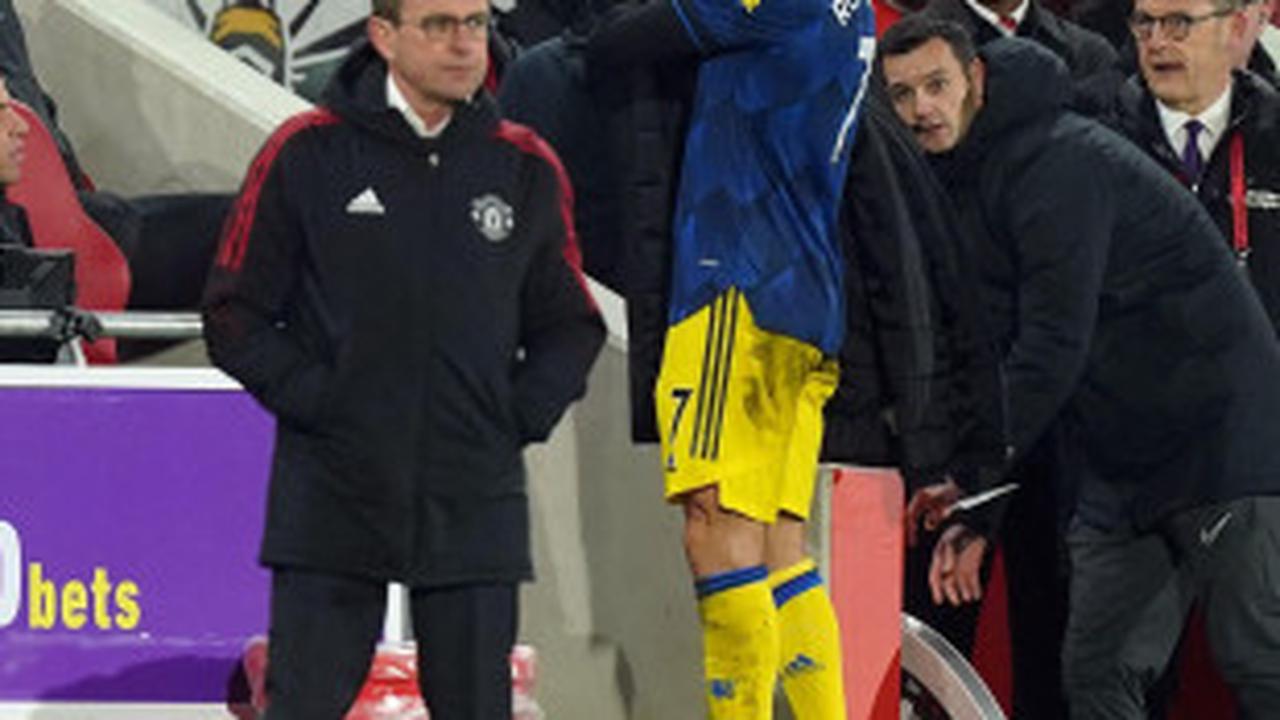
<point x="325" y="628"/>
<point x="1131" y="593"/>
<point x="1036" y="582"/>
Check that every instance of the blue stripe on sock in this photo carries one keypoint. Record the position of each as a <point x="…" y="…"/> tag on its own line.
<point x="712" y="584"/>
<point x="795" y="586"/>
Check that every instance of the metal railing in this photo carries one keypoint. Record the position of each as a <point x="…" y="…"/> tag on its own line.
<point x="71" y="326"/>
<point x="134" y="324"/>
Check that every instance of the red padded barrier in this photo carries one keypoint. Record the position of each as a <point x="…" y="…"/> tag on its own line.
<point x="866" y="587"/>
<point x="992" y="656"/>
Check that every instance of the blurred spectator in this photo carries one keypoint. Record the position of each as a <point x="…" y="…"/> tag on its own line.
<point x="13" y="132"/>
<point x="111" y="212"/>
<point x="168" y="240"/>
<point x="549" y="89"/>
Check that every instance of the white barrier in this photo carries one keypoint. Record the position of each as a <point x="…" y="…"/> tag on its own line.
<point x="150" y="105"/>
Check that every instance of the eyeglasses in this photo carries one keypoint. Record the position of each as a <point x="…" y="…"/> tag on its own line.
<point x="1175" y="26"/>
<point x="442" y="27"/>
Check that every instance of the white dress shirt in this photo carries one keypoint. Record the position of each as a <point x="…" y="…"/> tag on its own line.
<point x="1270" y="42"/>
<point x="395" y="100"/>
<point x="1215" y="119"/>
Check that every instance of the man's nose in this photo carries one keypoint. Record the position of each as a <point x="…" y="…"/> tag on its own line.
<point x="923" y="108"/>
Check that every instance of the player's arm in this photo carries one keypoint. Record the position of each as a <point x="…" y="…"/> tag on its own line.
<point x="1060" y="213"/>
<point x="640" y="33"/>
<point x="661" y="30"/>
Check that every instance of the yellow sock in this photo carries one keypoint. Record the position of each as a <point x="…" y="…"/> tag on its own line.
<point x="740" y="643"/>
<point x="809" y="643"/>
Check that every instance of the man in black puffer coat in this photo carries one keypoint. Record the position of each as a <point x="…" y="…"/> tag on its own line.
<point x="1122" y="316"/>
<point x="399" y="285"/>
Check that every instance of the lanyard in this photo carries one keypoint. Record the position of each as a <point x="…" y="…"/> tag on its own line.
<point x="1239" y="212"/>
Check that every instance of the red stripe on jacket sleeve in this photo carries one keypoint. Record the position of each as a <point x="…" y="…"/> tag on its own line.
<point x="235" y="237"/>
<point x="528" y="141"/>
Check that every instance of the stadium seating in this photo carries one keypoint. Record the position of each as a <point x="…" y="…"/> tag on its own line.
<point x="58" y="221"/>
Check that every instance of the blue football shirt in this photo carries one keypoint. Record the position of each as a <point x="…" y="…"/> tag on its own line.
<point x="765" y="159"/>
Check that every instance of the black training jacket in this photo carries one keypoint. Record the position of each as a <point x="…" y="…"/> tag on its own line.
<point x="412" y="313"/>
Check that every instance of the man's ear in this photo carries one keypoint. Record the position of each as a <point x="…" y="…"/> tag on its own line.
<point x="978" y="81"/>
<point x="1238" y="24"/>
<point x="379" y="30"/>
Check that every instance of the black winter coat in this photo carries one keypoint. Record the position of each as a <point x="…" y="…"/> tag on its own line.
<point x="1255" y="117"/>
<point x="412" y="313"/>
<point x="1119" y="306"/>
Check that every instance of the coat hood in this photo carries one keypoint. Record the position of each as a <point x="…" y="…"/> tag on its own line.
<point x="1025" y="83"/>
<point x="358" y="94"/>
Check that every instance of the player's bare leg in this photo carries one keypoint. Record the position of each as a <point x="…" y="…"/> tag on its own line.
<point x="726" y="553"/>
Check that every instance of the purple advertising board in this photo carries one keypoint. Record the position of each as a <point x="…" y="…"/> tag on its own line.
<point x="129" y="523"/>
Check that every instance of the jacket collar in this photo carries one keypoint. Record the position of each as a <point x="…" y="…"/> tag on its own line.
<point x="1140" y="119"/>
<point x="358" y="94"/>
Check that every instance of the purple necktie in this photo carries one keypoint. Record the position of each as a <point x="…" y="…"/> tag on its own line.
<point x="1192" y="160"/>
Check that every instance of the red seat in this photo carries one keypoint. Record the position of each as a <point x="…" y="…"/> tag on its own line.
<point x="58" y="221"/>
<point x="390" y="691"/>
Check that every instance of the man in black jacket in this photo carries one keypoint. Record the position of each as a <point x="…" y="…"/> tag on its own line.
<point x="399" y="285"/>
<point x="1031" y="552"/>
<point x="1121" y="316"/>
<point x="1215" y="129"/>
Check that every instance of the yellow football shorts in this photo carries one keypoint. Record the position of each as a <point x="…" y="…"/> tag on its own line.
<point x="741" y="408"/>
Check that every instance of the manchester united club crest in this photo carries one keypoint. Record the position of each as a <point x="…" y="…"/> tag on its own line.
<point x="493" y="217"/>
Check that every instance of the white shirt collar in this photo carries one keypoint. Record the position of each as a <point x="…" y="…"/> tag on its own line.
<point x="1215" y="119"/>
<point x="993" y="19"/>
<point x="396" y="101"/>
<point x="1270" y="42"/>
